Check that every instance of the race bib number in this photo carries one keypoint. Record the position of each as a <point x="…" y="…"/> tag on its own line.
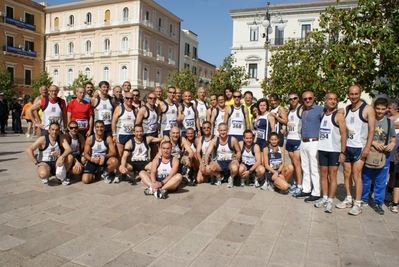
<point x="53" y="156"/>
<point x="82" y="124"/>
<point x="139" y="158"/>
<point x="189" y="123"/>
<point x="152" y="126"/>
<point x="54" y="119"/>
<point x="236" y="124"/>
<point x="350" y="134"/>
<point x="105" y="115"/>
<point x="324" y="133"/>
<point x="225" y="156"/>
<point x="291" y="126"/>
<point x="260" y="133"/>
<point x="128" y="127"/>
<point x="275" y="163"/>
<point x="173" y="123"/>
<point x="98" y="155"/>
<point x="202" y="119"/>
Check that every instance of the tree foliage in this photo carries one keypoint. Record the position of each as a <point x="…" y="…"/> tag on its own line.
<point x="6" y="84"/>
<point x="352" y="46"/>
<point x="228" y="75"/>
<point x="183" y="79"/>
<point x="81" y="80"/>
<point x="43" y="79"/>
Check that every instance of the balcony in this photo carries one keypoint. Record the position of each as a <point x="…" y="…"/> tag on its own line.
<point x="20" y="23"/>
<point x="87" y="54"/>
<point x="19" y="51"/>
<point x="70" y="56"/>
<point x="147" y="53"/>
<point x="160" y="58"/>
<point x="106" y="53"/>
<point x="171" y="62"/>
<point x="124" y="52"/>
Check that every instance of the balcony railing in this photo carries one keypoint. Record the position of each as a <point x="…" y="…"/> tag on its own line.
<point x="147" y="53"/>
<point x="106" y="53"/>
<point x="19" y="51"/>
<point x="20" y="23"/>
<point x="160" y="58"/>
<point x="171" y="62"/>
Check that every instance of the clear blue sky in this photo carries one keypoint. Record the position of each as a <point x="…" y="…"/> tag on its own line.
<point x="209" y="19"/>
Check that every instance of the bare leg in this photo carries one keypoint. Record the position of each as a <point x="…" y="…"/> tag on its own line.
<point x="347" y="177"/>
<point x="333" y="181"/>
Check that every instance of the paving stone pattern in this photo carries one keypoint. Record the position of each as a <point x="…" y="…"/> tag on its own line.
<point x="117" y="225"/>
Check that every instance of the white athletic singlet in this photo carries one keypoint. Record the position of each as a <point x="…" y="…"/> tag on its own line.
<point x="236" y="121"/>
<point x="224" y="152"/>
<point x="150" y="122"/>
<point x="50" y="152"/>
<point x="248" y="157"/>
<point x="98" y="148"/>
<point x="292" y="125"/>
<point x="140" y="151"/>
<point x="356" y="127"/>
<point x="103" y="110"/>
<point x="218" y="120"/>
<point x="189" y="117"/>
<point x="52" y="113"/>
<point x="330" y="137"/>
<point x="169" y="117"/>
<point x="125" y="123"/>
<point x="164" y="169"/>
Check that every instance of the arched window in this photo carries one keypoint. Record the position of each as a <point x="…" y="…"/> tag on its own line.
<point x="88" y="47"/>
<point x="125" y="14"/>
<point x="146" y="45"/>
<point x="88" y="72"/>
<point x="125" y="44"/>
<point x="55" y="77"/>
<point x="107" y="45"/>
<point x="56" y="49"/>
<point x="159" y="49"/>
<point x="158" y="78"/>
<point x="107" y="17"/>
<point x="159" y="24"/>
<point x="147" y="15"/>
<point x="71" y="20"/>
<point x="56" y="23"/>
<point x="105" y="73"/>
<point x="145" y="74"/>
<point x="88" y="18"/>
<point x="170" y="53"/>
<point x="71" y="48"/>
<point x="123" y="73"/>
<point x="70" y="76"/>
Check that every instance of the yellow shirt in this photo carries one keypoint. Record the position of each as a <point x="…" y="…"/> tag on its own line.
<point x="229" y="102"/>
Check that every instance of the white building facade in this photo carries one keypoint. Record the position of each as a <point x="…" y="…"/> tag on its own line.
<point x="249" y="45"/>
<point x="188" y="51"/>
<point x="115" y="41"/>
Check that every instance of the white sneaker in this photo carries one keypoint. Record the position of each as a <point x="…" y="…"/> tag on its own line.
<point x="45" y="181"/>
<point x="230" y="182"/>
<point x="218" y="180"/>
<point x="346" y="204"/>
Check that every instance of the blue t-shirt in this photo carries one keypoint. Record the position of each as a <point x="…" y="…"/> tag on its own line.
<point x="311" y="122"/>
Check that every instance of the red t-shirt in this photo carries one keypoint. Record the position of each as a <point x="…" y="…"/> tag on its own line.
<point x="80" y="112"/>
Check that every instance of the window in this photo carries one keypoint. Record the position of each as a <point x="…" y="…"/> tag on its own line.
<point x="186" y="65"/>
<point x="71" y="21"/>
<point x="305" y="29"/>
<point x="28" y="77"/>
<point x="279" y="35"/>
<point x="159" y="49"/>
<point x="187" y="49"/>
<point x="147" y="15"/>
<point x="55" y="77"/>
<point x="30" y="19"/>
<point x="107" y="45"/>
<point x="145" y="74"/>
<point x="11" y="71"/>
<point x="170" y="30"/>
<point x="88" y="18"/>
<point x="123" y="73"/>
<point x="9" y="12"/>
<point x="29" y="45"/>
<point x="70" y="76"/>
<point x="107" y="17"/>
<point x="56" y="49"/>
<point x="254" y="34"/>
<point x="88" y="47"/>
<point x="160" y="24"/>
<point x="88" y="72"/>
<point x="56" y="23"/>
<point x="253" y="70"/>
<point x="71" y="48"/>
<point x="105" y="73"/>
<point x="146" y="45"/>
<point x="125" y="44"/>
<point x="158" y="78"/>
<point x="10" y="40"/>
<point x="194" y="70"/>
<point x="195" y="56"/>
<point x="170" y="53"/>
<point x="125" y="14"/>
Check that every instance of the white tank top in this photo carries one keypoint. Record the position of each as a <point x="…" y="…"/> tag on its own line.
<point x="201" y="110"/>
<point x="330" y="137"/>
<point x="204" y="147"/>
<point x="75" y="145"/>
<point x="356" y="127"/>
<point x="164" y="169"/>
<point x="236" y="121"/>
<point x="189" y="117"/>
<point x="176" y="150"/>
<point x="103" y="110"/>
<point x="292" y="125"/>
<point x="277" y="124"/>
<point x="98" y="148"/>
<point x="125" y="123"/>
<point x="150" y="122"/>
<point x="169" y="117"/>
<point x="275" y="159"/>
<point x="248" y="157"/>
<point x="52" y="113"/>
<point x="50" y="152"/>
<point x="224" y="152"/>
<point x="218" y="120"/>
<point x="140" y="151"/>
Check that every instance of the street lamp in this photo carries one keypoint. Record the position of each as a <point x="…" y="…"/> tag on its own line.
<point x="266" y="23"/>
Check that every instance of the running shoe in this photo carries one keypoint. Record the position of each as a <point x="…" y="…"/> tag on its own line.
<point x="66" y="181"/>
<point x="161" y="194"/>
<point x="346" y="204"/>
<point x="291" y="190"/>
<point x="329" y="207"/>
<point x="230" y="182"/>
<point x="297" y="192"/>
<point x="147" y="191"/>
<point x="321" y="203"/>
<point x="106" y="177"/>
<point x="256" y="184"/>
<point x="393" y="208"/>
<point x="355" y="210"/>
<point x="45" y="181"/>
<point x="218" y="180"/>
<point x="117" y="179"/>
<point x="378" y="209"/>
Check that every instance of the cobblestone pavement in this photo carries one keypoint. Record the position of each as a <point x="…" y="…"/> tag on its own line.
<point x="117" y="225"/>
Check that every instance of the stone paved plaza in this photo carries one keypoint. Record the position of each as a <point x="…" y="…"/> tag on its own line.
<point x="117" y="225"/>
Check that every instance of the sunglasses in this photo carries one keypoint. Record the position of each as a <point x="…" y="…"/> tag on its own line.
<point x="237" y="96"/>
<point x="129" y="98"/>
<point x="151" y="98"/>
<point x="173" y="93"/>
<point x="73" y="127"/>
<point x="308" y="99"/>
<point x="134" y="95"/>
<point x="293" y="98"/>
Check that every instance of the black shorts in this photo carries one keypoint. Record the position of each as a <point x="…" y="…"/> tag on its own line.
<point x="292" y="145"/>
<point x="108" y="130"/>
<point x="90" y="167"/>
<point x="28" y="120"/>
<point x="138" y="165"/>
<point x="51" y="164"/>
<point x="353" y="154"/>
<point x="327" y="158"/>
<point x="269" y="176"/>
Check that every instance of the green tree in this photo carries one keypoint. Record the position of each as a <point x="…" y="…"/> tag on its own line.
<point x="43" y="79"/>
<point x="183" y="79"/>
<point x="7" y="85"/>
<point x="358" y="45"/>
<point x="81" y="80"/>
<point x="228" y="75"/>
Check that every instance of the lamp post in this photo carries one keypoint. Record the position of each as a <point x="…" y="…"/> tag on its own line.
<point x="266" y="23"/>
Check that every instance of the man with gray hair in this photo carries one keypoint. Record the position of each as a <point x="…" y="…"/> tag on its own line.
<point x="201" y="105"/>
<point x="80" y="110"/>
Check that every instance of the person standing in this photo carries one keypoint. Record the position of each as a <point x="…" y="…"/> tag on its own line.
<point x="89" y="87"/>
<point x="167" y="112"/>
<point x="310" y="115"/>
<point x="3" y="113"/>
<point x="80" y="111"/>
<point x="188" y="117"/>
<point x="393" y="112"/>
<point x="218" y="113"/>
<point x="201" y="105"/>
<point x="248" y="97"/>
<point x="228" y="95"/>
<point x="29" y="129"/>
<point x="360" y="126"/>
<point x="236" y="117"/>
<point x="331" y="146"/>
<point x="280" y="116"/>
<point x="103" y="107"/>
